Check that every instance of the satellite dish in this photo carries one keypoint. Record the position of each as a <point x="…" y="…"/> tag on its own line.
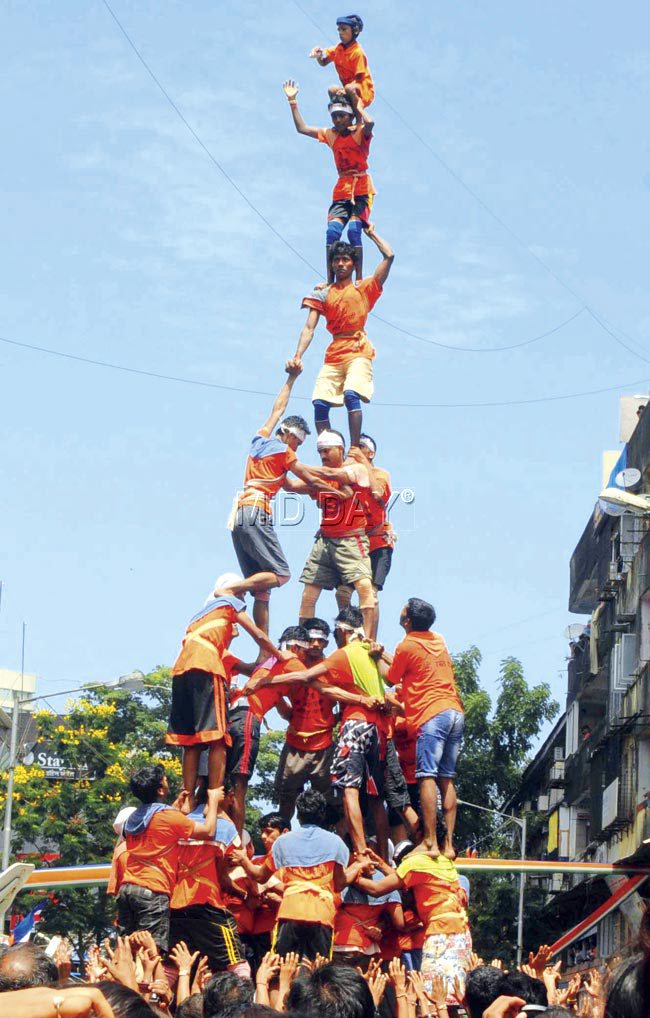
<point x="573" y="631"/>
<point x="610" y="509"/>
<point x="628" y="478"/>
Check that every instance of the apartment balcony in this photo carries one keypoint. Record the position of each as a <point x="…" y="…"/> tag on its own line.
<point x="590" y="564"/>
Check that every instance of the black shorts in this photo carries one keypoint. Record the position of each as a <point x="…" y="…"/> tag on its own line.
<point x="256" y="543"/>
<point x="381" y="560"/>
<point x="396" y="790"/>
<point x="244" y="731"/>
<point x="344" y="209"/>
<point x="357" y="759"/>
<point x="306" y="939"/>
<point x="199" y="709"/>
<point x="209" y="930"/>
<point x="138" y="908"/>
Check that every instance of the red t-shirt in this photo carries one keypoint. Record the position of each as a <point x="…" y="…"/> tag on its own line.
<point x="346" y="517"/>
<point x="268" y="461"/>
<point x="378" y="529"/>
<point x="423" y="665"/>
<point x="312" y="719"/>
<point x="352" y="67"/>
<point x="350" y="153"/>
<point x="268" y="696"/>
<point x="152" y="857"/>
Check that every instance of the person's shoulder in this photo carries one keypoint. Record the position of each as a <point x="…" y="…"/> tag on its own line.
<point x="316" y="297"/>
<point x="173" y="818"/>
<point x="293" y="665"/>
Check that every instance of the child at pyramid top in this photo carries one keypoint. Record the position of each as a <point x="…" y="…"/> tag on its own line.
<point x="350" y="61"/>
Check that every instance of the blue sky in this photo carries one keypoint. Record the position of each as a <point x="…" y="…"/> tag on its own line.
<point x="123" y="242"/>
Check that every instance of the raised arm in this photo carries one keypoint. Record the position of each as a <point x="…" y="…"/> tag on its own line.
<point x="375" y="888"/>
<point x="290" y="89"/>
<point x="388" y="256"/>
<point x="281" y="400"/>
<point x="304" y="339"/>
<point x="318" y="54"/>
<point x="261" y="639"/>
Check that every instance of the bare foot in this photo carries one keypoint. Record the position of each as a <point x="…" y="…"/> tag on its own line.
<point x="449" y="852"/>
<point x="426" y="848"/>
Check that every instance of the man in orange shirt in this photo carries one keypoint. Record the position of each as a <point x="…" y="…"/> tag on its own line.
<point x="354" y="190"/>
<point x="313" y="865"/>
<point x="270" y="459"/>
<point x="339" y="556"/>
<point x="200" y="680"/>
<point x="153" y="833"/>
<point x="349" y="60"/>
<point x="434" y="714"/>
<point x="346" y="375"/>
<point x="309" y="746"/>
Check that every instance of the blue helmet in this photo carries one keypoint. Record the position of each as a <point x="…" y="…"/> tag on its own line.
<point x="353" y="21"/>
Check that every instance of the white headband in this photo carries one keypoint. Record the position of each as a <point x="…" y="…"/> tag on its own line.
<point x="317" y="634"/>
<point x="357" y="631"/>
<point x="294" y="643"/>
<point x="293" y="429"/>
<point x="329" y="440"/>
<point x="225" y="580"/>
<point x="369" y="444"/>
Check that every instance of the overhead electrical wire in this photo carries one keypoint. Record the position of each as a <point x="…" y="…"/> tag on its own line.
<point x="262" y="392"/>
<point x="287" y="243"/>
<point x="599" y="319"/>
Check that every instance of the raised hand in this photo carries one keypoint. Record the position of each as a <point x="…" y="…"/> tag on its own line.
<point x="288" y="968"/>
<point x="95" y="968"/>
<point x="593" y="984"/>
<point x="397" y="975"/>
<point x="316" y="53"/>
<point x="203" y="975"/>
<point x="290" y="89"/>
<point x="181" y="957"/>
<point x="438" y="995"/>
<point x="161" y="989"/>
<point x="540" y="960"/>
<point x="120" y="964"/>
<point x="269" y="967"/>
<point x="377" y="985"/>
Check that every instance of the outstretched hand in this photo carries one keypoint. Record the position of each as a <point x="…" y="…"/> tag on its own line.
<point x="316" y="53"/>
<point x="290" y="88"/>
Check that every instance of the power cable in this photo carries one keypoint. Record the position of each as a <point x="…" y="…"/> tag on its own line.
<point x="496" y="217"/>
<point x="280" y="236"/>
<point x="261" y="392"/>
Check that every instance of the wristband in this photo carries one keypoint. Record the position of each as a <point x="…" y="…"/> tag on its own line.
<point x="183" y="972"/>
<point x="293" y="102"/>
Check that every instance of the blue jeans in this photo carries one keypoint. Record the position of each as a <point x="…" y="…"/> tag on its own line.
<point x="438" y="745"/>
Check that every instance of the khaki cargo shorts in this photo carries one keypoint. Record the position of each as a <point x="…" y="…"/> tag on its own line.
<point x="337" y="560"/>
<point x="333" y="379"/>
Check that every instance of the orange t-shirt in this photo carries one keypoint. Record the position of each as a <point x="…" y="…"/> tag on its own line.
<point x="435" y="887"/>
<point x="423" y="665"/>
<point x="350" y="153"/>
<point x="268" y="461"/>
<point x="312" y="719"/>
<point x="208" y="637"/>
<point x="340" y="674"/>
<point x="405" y="746"/>
<point x="152" y="859"/>
<point x="345" y="308"/>
<point x="268" y="696"/>
<point x="305" y="861"/>
<point x="197" y="881"/>
<point x="118" y="866"/>
<point x="352" y="67"/>
<point x="378" y="529"/>
<point x="266" y="914"/>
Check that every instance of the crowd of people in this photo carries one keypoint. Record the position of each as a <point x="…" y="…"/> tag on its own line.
<point x="130" y="979"/>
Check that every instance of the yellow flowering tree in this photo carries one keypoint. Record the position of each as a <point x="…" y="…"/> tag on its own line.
<point x="102" y="737"/>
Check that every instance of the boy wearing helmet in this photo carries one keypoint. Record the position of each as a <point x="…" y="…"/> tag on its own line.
<point x="354" y="190"/>
<point x="260" y="555"/>
<point x="349" y="59"/>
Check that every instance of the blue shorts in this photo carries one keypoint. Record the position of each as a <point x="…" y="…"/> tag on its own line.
<point x="438" y="745"/>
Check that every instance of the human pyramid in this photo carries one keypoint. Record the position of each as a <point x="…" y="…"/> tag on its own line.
<point x="383" y="885"/>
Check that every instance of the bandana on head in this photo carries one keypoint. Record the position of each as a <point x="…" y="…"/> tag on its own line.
<point x="338" y="106"/>
<point x="293" y="429"/>
<point x="225" y="580"/>
<point x="317" y="634"/>
<point x="357" y="631"/>
<point x="329" y="440"/>
<point x="368" y="443"/>
<point x="287" y="644"/>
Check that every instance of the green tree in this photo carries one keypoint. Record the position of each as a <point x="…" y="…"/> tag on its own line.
<point x="102" y="737"/>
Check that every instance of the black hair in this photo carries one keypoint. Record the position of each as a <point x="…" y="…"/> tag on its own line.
<point x="481" y="989"/>
<point x="311" y="808"/>
<point x="294" y="421"/>
<point x="518" y="984"/>
<point x="25" y="965"/>
<point x="274" y="820"/>
<point x="124" y="1001"/>
<point x="145" y="783"/>
<point x="340" y="248"/>
<point x="317" y="624"/>
<point x="225" y="990"/>
<point x="558" y="1012"/>
<point x="191" y="1007"/>
<point x="332" y="991"/>
<point x="370" y="439"/>
<point x="294" y="633"/>
<point x="351" y="616"/>
<point x="420" y="614"/>
<point x="628" y="993"/>
<point x="250" y="1011"/>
